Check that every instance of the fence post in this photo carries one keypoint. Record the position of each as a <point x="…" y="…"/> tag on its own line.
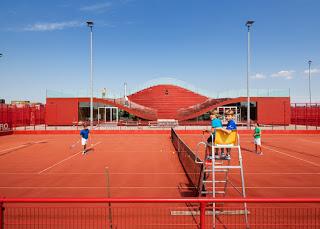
<point x="306" y="117"/>
<point x="203" y="215"/>
<point x="317" y="117"/>
<point x="1" y="215"/>
<point x="284" y="115"/>
<point x="295" y="113"/>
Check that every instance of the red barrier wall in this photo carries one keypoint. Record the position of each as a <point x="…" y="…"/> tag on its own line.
<point x="62" y="111"/>
<point x="22" y="115"/>
<point x="305" y="114"/>
<point x="273" y="110"/>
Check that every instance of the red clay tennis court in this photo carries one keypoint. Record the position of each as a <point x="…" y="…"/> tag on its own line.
<point x="145" y="167"/>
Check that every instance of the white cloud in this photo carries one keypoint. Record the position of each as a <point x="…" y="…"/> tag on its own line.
<point x="52" y="26"/>
<point x="258" y="76"/>
<point x="97" y="7"/>
<point x="313" y="71"/>
<point x="283" y="74"/>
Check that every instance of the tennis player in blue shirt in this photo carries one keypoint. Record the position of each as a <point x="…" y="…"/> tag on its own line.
<point x="231" y="126"/>
<point x="215" y="123"/>
<point x="84" y="137"/>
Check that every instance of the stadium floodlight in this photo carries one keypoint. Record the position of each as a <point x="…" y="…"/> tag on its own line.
<point x="309" y="62"/>
<point x="90" y="25"/>
<point x="248" y="24"/>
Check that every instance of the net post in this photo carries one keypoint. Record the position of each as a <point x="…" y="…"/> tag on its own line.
<point x="202" y="215"/>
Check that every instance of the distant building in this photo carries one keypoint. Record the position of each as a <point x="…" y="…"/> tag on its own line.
<point x="170" y="102"/>
<point x="19" y="102"/>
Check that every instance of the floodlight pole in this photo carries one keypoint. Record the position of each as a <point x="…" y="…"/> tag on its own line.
<point x="309" y="62"/>
<point x="125" y="90"/>
<point x="90" y="25"/>
<point x="248" y="24"/>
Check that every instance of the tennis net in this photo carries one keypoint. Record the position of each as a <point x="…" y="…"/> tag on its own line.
<point x="187" y="159"/>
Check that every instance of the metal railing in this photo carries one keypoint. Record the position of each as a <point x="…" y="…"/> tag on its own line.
<point x="157" y="213"/>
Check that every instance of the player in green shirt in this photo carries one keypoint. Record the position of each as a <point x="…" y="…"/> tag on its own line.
<point x="257" y="139"/>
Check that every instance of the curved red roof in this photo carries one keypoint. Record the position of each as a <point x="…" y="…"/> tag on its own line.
<point x="167" y="99"/>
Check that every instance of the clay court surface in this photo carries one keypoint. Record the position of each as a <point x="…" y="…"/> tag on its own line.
<point x="146" y="165"/>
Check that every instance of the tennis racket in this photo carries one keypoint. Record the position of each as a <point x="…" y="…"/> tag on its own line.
<point x="74" y="144"/>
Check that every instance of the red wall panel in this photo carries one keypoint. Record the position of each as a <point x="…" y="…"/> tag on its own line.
<point x="61" y="111"/>
<point x="273" y="110"/>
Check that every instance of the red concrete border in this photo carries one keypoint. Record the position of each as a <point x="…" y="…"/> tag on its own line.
<point x="160" y="200"/>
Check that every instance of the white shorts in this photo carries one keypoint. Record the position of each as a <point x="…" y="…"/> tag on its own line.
<point x="83" y="141"/>
<point x="257" y="141"/>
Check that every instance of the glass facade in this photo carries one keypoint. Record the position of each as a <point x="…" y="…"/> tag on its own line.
<point x="104" y="113"/>
<point x="241" y="112"/>
<point x="84" y="111"/>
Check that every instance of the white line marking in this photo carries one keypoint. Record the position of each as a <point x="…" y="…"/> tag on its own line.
<point x="23" y="145"/>
<point x="310" y="162"/>
<point x="308" y="141"/>
<point x="65" y="159"/>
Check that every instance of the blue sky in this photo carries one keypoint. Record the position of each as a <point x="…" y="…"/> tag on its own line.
<point x="45" y="45"/>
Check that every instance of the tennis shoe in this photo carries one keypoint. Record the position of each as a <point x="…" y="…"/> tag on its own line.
<point x="84" y="152"/>
<point x="227" y="157"/>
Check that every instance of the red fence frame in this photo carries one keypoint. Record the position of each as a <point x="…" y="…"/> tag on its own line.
<point x="22" y="115"/>
<point x="305" y="114"/>
<point x="201" y="201"/>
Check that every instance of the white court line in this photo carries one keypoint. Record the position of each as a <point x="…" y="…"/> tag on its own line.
<point x="23" y="145"/>
<point x="308" y="141"/>
<point x="310" y="162"/>
<point x="148" y="187"/>
<point x="65" y="159"/>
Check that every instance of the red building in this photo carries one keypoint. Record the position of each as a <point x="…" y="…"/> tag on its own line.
<point x="166" y="101"/>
